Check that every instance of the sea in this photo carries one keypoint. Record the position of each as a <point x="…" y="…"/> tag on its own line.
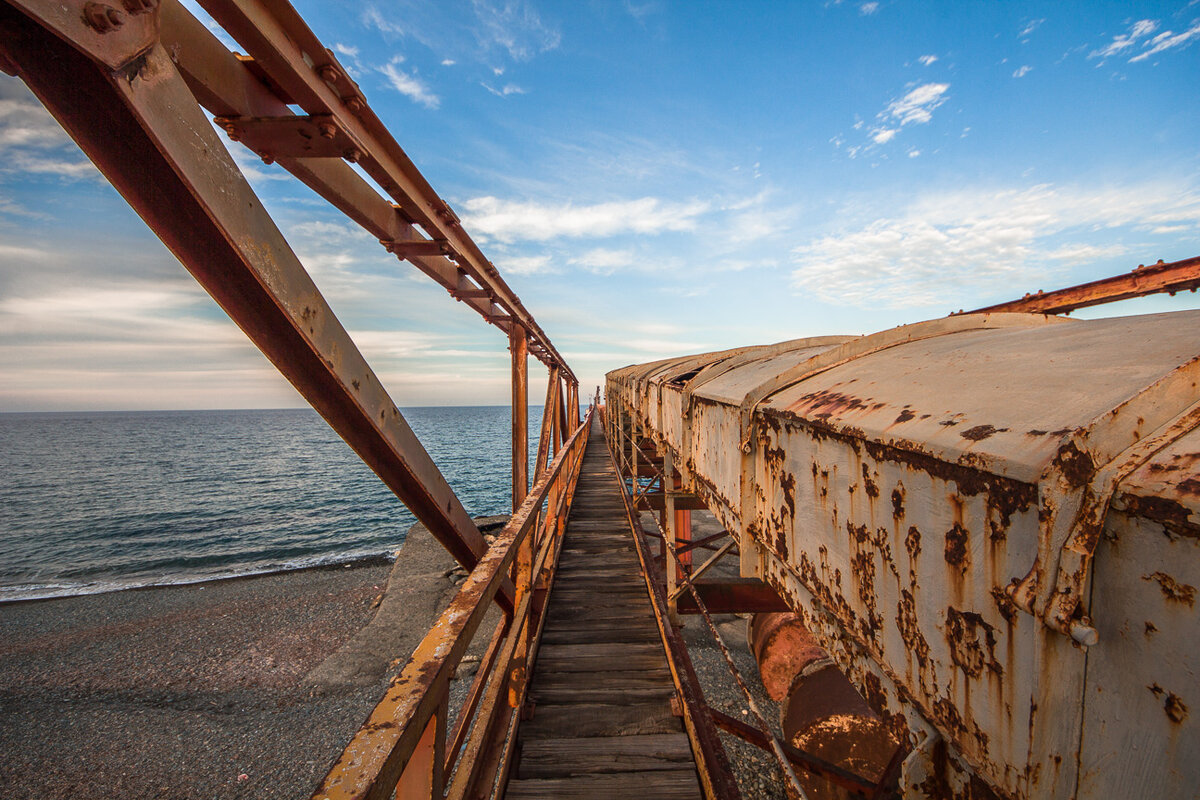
<point x="102" y="501"/>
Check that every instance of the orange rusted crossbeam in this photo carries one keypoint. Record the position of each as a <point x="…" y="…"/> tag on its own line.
<point x="734" y="596"/>
<point x="1177" y="276"/>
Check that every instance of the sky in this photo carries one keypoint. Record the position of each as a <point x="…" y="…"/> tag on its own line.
<point x="653" y="179"/>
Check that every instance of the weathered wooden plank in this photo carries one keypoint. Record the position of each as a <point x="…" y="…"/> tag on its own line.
<point x="663" y="785"/>
<point x="657" y="689"/>
<point x="558" y="758"/>
<point x="641" y="679"/>
<point x="557" y="721"/>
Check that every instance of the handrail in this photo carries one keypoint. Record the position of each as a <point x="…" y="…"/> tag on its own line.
<point x="409" y="722"/>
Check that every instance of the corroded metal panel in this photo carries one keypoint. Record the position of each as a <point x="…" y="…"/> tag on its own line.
<point x="930" y="500"/>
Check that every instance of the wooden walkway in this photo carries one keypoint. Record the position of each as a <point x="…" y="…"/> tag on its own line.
<point x="602" y="725"/>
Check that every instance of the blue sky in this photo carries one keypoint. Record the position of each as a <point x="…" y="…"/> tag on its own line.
<point x="653" y="179"/>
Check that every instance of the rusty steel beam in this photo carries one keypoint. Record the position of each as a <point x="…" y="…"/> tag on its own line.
<point x="734" y="596"/>
<point x="286" y="50"/>
<point x="520" y="414"/>
<point x="142" y="128"/>
<point x="226" y="86"/>
<point x="1177" y="276"/>
<point x="684" y="501"/>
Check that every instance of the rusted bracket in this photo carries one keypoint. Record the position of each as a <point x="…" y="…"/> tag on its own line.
<point x="295" y="136"/>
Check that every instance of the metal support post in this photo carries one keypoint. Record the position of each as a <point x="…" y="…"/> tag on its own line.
<point x="424" y="776"/>
<point x="519" y="346"/>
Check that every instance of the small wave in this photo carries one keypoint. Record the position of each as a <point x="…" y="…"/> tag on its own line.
<point x="50" y="591"/>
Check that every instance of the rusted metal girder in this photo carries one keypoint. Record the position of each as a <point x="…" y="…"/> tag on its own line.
<point x="283" y="49"/>
<point x="520" y="413"/>
<point x="1177" y="276"/>
<point x="734" y="596"/>
<point x="140" y="125"/>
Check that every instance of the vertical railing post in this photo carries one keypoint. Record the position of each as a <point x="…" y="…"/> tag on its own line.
<point x="519" y="346"/>
<point x="670" y="530"/>
<point x="424" y="776"/>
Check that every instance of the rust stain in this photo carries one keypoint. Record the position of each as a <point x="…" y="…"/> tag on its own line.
<point x="981" y="432"/>
<point x="1174" y="517"/>
<point x="898" y="502"/>
<point x="956" y="547"/>
<point x="905" y="416"/>
<point x="1176" y="709"/>
<point x="1004" y="604"/>
<point x="1075" y="465"/>
<point x="1173" y="590"/>
<point x="972" y="642"/>
<point x="872" y="488"/>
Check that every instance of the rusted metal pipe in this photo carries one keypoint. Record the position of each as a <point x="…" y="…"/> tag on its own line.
<point x="822" y="713"/>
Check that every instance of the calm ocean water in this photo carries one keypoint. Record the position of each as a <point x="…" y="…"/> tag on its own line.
<point x="91" y="502"/>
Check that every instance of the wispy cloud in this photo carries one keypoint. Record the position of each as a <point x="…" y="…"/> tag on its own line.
<point x="1168" y="40"/>
<point x="1122" y="42"/>
<point x="515" y="26"/>
<point x="914" y="108"/>
<point x="408" y="85"/>
<point x="509" y="89"/>
<point x="926" y="60"/>
<point x="372" y="18"/>
<point x="604" y="261"/>
<point x="513" y="220"/>
<point x="985" y="240"/>
<point x="1030" y="27"/>
<point x="866" y="9"/>
<point x="526" y="265"/>
<point x="1022" y="71"/>
<point x="32" y="142"/>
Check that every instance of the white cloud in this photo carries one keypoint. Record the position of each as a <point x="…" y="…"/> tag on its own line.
<point x="927" y="60"/>
<point x="1022" y="71"/>
<point x="408" y="85"/>
<point x="1032" y="26"/>
<point x="866" y="9"/>
<point x="604" y="261"/>
<point x="448" y="62"/>
<point x="511" y="220"/>
<point x="526" y="265"/>
<point x="1121" y="42"/>
<point x="947" y="243"/>
<point x="914" y="153"/>
<point x="509" y="89"/>
<point x="1167" y="40"/>
<point x="918" y="105"/>
<point x="914" y="108"/>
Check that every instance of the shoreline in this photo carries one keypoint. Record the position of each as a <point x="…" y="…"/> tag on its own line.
<point x="337" y="561"/>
